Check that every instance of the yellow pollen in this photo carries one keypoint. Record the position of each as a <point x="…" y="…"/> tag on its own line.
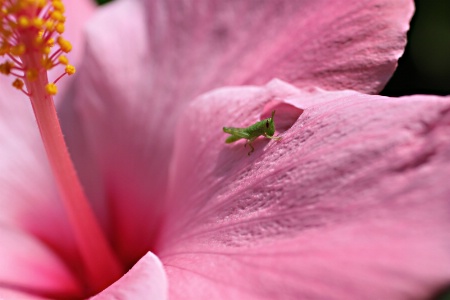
<point x="23" y="22"/>
<point x="51" y="89"/>
<point x="38" y="22"/>
<point x="18" y="50"/>
<point x="70" y="70"/>
<point x="6" y="33"/>
<point x="47" y="63"/>
<point x="38" y="41"/>
<point x="58" y="5"/>
<point x="46" y="50"/>
<point x="5" y="68"/>
<point x="57" y="16"/>
<point x="64" y="44"/>
<point x="31" y="74"/>
<point x="18" y="84"/>
<point x="60" y="28"/>
<point x="63" y="60"/>
<point x="25" y="4"/>
<point x="41" y="3"/>
<point x="4" y="48"/>
<point x="30" y="34"/>
<point x="51" y="42"/>
<point x="49" y="25"/>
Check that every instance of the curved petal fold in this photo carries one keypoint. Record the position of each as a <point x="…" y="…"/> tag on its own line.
<point x="77" y="14"/>
<point x="29" y="197"/>
<point x="332" y="44"/>
<point x="17" y="295"/>
<point x="377" y="259"/>
<point x="28" y="266"/>
<point x="125" y="106"/>
<point x="146" y="280"/>
<point x="351" y="201"/>
<point x="124" y="126"/>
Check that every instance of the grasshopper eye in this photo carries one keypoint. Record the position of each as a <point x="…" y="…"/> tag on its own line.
<point x="267" y="124"/>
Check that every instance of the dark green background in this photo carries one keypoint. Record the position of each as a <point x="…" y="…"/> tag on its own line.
<point x="103" y="1"/>
<point x="425" y="66"/>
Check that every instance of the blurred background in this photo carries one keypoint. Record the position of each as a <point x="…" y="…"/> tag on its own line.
<point x="425" y="66"/>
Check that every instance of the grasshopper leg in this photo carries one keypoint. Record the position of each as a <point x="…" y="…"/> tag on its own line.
<point x="253" y="149"/>
<point x="249" y="142"/>
<point x="232" y="139"/>
<point x="273" y="137"/>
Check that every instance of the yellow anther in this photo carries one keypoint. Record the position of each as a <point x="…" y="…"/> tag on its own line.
<point x="38" y="41"/>
<point x="46" y="50"/>
<point x="31" y="74"/>
<point x="49" y="25"/>
<point x="5" y="48"/>
<point x="26" y="4"/>
<point x="18" y="84"/>
<point x="41" y="3"/>
<point x="22" y="5"/>
<point x="57" y="16"/>
<point x="28" y="31"/>
<point x="60" y="28"/>
<point x="70" y="70"/>
<point x="38" y="22"/>
<point x="64" y="44"/>
<point x="13" y="8"/>
<point x="63" y="60"/>
<point x="6" y="33"/>
<point x="5" y="68"/>
<point x="51" y="42"/>
<point x="18" y="50"/>
<point x="51" y="89"/>
<point x="58" y="5"/>
<point x="47" y="63"/>
<point x="23" y="22"/>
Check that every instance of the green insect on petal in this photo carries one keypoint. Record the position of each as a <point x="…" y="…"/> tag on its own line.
<point x="264" y="128"/>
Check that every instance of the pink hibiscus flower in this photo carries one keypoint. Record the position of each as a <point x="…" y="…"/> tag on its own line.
<point x="351" y="203"/>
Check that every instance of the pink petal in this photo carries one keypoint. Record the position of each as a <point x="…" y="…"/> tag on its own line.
<point x="110" y="138"/>
<point x="9" y="294"/>
<point x="27" y="265"/>
<point x="351" y="203"/>
<point x="327" y="43"/>
<point x="128" y="109"/>
<point x="120" y="126"/>
<point x="77" y="14"/>
<point x="29" y="199"/>
<point x="146" y="280"/>
<point x="376" y="259"/>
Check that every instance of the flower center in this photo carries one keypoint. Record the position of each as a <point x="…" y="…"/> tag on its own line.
<point x="32" y="42"/>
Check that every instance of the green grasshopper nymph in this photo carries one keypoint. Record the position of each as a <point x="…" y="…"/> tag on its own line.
<point x="265" y="127"/>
